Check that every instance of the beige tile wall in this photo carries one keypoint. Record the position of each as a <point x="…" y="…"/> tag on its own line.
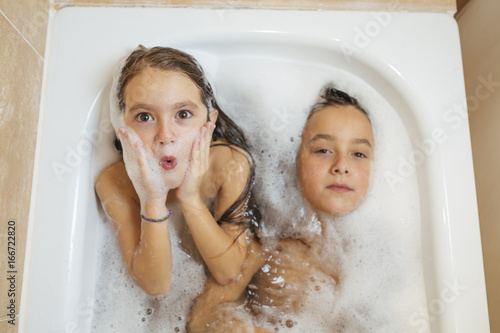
<point x="461" y="4"/>
<point x="23" y="26"/>
<point x="480" y="36"/>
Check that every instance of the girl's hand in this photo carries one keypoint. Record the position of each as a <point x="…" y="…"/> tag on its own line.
<point x="198" y="165"/>
<point x="142" y="167"/>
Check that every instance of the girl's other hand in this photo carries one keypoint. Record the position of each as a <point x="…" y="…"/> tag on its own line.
<point x="198" y="165"/>
<point x="142" y="167"/>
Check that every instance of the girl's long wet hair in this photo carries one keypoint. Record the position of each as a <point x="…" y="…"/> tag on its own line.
<point x="243" y="209"/>
<point x="169" y="59"/>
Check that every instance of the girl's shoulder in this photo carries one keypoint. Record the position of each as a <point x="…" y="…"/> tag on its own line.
<point x="223" y="153"/>
<point x="113" y="179"/>
<point x="114" y="171"/>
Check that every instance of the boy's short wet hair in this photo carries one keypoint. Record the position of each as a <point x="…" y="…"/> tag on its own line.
<point x="331" y="96"/>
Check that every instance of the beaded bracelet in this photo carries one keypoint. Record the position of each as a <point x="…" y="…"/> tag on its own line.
<point x="170" y="212"/>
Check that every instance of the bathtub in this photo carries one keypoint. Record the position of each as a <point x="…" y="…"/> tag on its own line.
<point x="413" y="60"/>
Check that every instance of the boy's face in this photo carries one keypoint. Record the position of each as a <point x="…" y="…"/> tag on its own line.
<point x="335" y="159"/>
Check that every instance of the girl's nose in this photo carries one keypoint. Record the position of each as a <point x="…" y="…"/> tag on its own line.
<point x="341" y="165"/>
<point x="166" y="133"/>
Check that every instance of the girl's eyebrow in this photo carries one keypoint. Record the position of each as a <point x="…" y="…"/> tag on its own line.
<point x="140" y="106"/>
<point x="178" y="105"/>
<point x="182" y="104"/>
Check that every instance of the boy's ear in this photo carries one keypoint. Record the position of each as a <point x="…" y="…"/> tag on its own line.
<point x="212" y="116"/>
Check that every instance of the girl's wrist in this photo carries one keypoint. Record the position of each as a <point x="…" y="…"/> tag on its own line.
<point x="155" y="209"/>
<point x="161" y="219"/>
<point x="191" y="203"/>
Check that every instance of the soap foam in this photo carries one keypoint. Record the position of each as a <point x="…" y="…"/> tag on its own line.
<point x="374" y="251"/>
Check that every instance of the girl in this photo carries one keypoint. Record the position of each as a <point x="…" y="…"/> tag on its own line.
<point x="177" y="145"/>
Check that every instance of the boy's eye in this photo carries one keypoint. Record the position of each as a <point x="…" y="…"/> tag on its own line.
<point x="358" y="154"/>
<point x="322" y="151"/>
<point x="183" y="114"/>
<point x="144" y="117"/>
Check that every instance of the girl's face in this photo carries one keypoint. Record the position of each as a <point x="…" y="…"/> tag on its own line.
<point x="335" y="158"/>
<point x="165" y="109"/>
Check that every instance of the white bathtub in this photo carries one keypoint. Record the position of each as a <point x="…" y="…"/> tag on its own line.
<point x="411" y="59"/>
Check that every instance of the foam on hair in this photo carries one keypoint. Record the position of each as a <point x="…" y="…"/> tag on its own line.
<point x="115" y="114"/>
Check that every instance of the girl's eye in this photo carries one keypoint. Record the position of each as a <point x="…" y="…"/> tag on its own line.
<point x="183" y="114"/>
<point x="322" y="151"/>
<point x="144" y="117"/>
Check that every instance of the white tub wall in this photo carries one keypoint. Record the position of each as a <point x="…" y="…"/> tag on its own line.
<point x="480" y="37"/>
<point x="23" y="26"/>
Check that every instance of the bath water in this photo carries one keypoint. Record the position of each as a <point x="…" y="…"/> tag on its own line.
<point x="374" y="252"/>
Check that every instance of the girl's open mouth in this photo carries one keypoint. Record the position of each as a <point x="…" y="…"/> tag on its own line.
<point x="168" y="162"/>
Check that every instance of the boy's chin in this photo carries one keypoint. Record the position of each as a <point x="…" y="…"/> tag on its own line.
<point x="336" y="210"/>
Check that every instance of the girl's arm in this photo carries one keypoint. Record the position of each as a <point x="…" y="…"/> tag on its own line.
<point x="145" y="245"/>
<point x="208" y="311"/>
<point x="224" y="247"/>
<point x="137" y="189"/>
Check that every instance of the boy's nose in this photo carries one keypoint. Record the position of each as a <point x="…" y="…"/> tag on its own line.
<point x="341" y="166"/>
